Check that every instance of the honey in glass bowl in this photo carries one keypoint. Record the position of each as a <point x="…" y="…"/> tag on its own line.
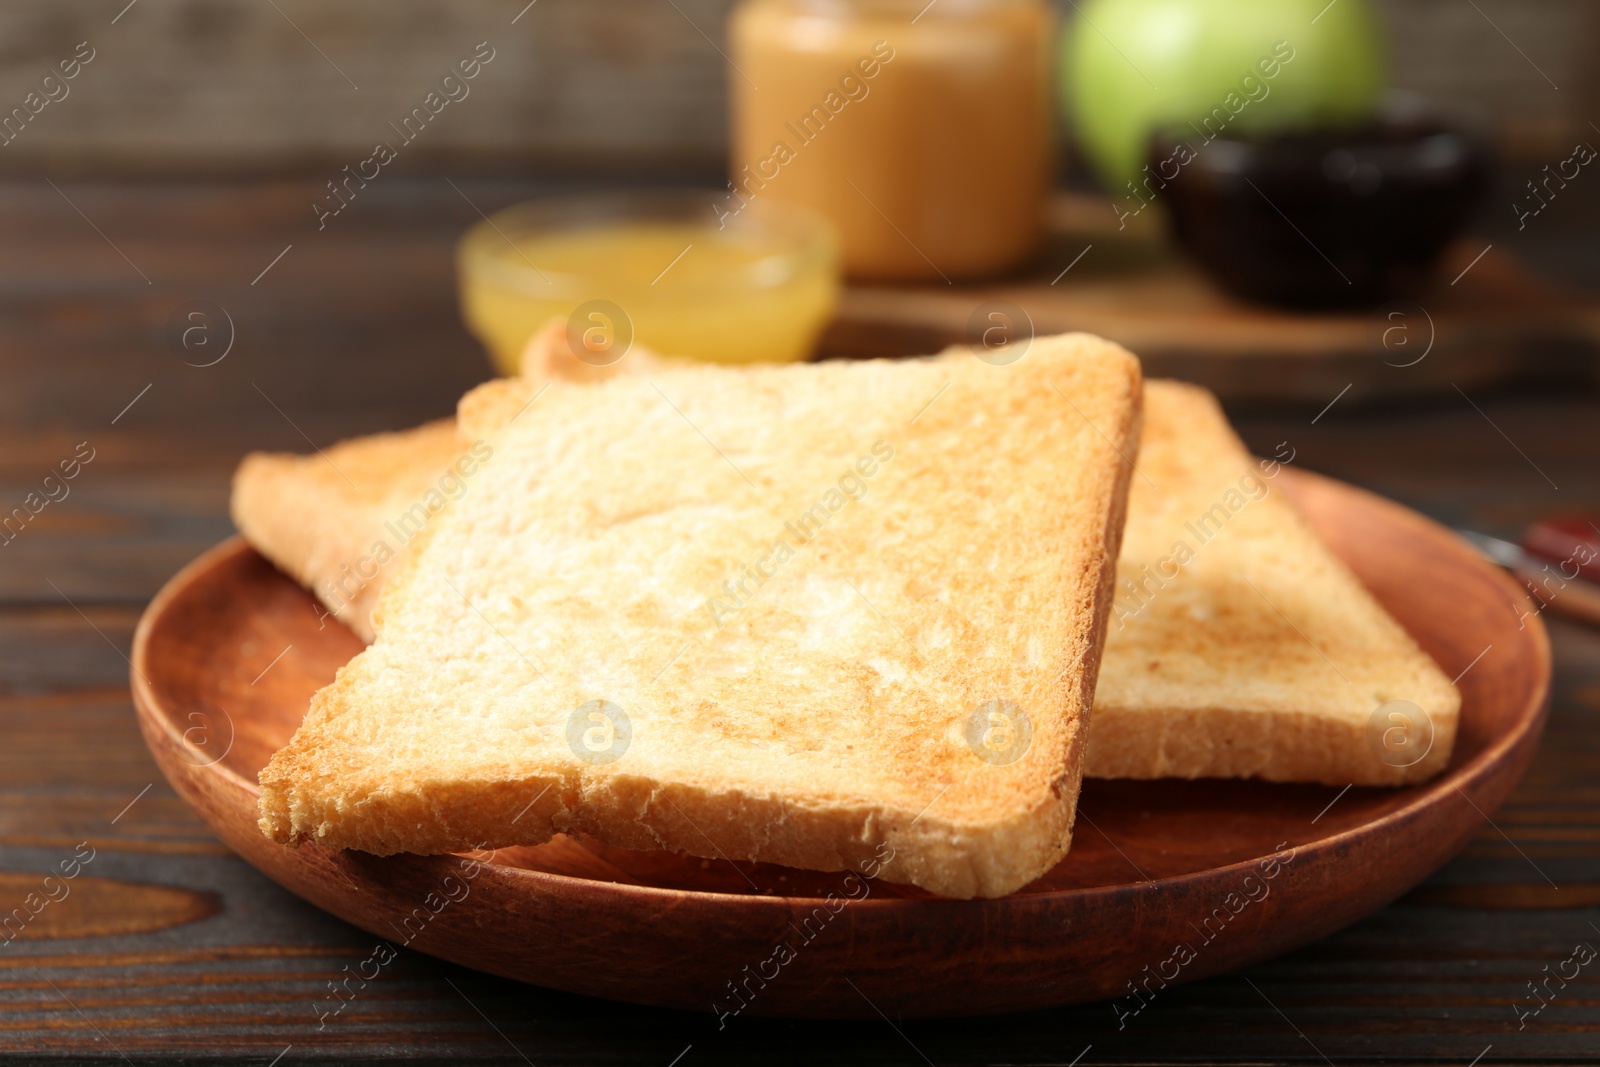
<point x="659" y="268"/>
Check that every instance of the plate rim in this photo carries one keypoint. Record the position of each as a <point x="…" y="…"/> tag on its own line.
<point x="1530" y="719"/>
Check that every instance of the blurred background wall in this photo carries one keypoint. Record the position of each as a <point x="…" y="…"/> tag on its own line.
<point x="218" y="87"/>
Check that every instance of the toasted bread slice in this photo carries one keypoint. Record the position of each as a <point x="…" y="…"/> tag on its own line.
<point x="1179" y="697"/>
<point x="1239" y="646"/>
<point x="1261" y="657"/>
<point x="809" y="614"/>
<point x="336" y="520"/>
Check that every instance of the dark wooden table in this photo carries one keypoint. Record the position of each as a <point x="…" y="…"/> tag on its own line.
<point x="169" y="947"/>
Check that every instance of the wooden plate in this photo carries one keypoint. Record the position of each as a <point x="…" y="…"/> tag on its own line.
<point x="1167" y="881"/>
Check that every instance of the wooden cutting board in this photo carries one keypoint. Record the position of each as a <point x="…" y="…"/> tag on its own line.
<point x="1485" y="319"/>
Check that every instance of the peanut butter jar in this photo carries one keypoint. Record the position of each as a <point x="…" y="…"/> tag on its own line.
<point x="922" y="131"/>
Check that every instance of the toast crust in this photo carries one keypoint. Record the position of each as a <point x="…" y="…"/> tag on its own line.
<point x="1260" y="655"/>
<point x="338" y="522"/>
<point x="820" y="720"/>
<point x="334" y="521"/>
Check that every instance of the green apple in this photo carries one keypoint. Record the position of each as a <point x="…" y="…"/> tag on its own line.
<point x="1132" y="67"/>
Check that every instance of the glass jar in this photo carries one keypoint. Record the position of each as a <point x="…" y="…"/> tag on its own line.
<point x="923" y="131"/>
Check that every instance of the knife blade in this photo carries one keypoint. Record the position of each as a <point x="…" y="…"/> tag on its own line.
<point x="1559" y="585"/>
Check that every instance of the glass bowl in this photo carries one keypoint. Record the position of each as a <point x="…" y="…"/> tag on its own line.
<point x="672" y="270"/>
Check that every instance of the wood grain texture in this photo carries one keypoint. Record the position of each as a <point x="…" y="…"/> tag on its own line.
<point x="218" y="85"/>
<point x="105" y="908"/>
<point x="1427" y="979"/>
<point x="1491" y="324"/>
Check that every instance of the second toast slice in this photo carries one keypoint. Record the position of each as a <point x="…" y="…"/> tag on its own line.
<point x="1240" y="646"/>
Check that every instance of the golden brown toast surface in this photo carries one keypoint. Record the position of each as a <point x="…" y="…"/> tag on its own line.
<point x="834" y="618"/>
<point x="1239" y="646"/>
<point x="337" y="519"/>
<point x="1259" y="657"/>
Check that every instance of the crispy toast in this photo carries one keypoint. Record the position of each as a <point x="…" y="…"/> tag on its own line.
<point x="1204" y="676"/>
<point x="336" y="520"/>
<point x="798" y="614"/>
<point x="1239" y="645"/>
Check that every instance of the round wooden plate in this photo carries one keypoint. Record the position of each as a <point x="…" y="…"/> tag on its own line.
<point x="1167" y="881"/>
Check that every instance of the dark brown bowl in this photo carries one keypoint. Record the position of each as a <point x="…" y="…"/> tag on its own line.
<point x="1326" y="219"/>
